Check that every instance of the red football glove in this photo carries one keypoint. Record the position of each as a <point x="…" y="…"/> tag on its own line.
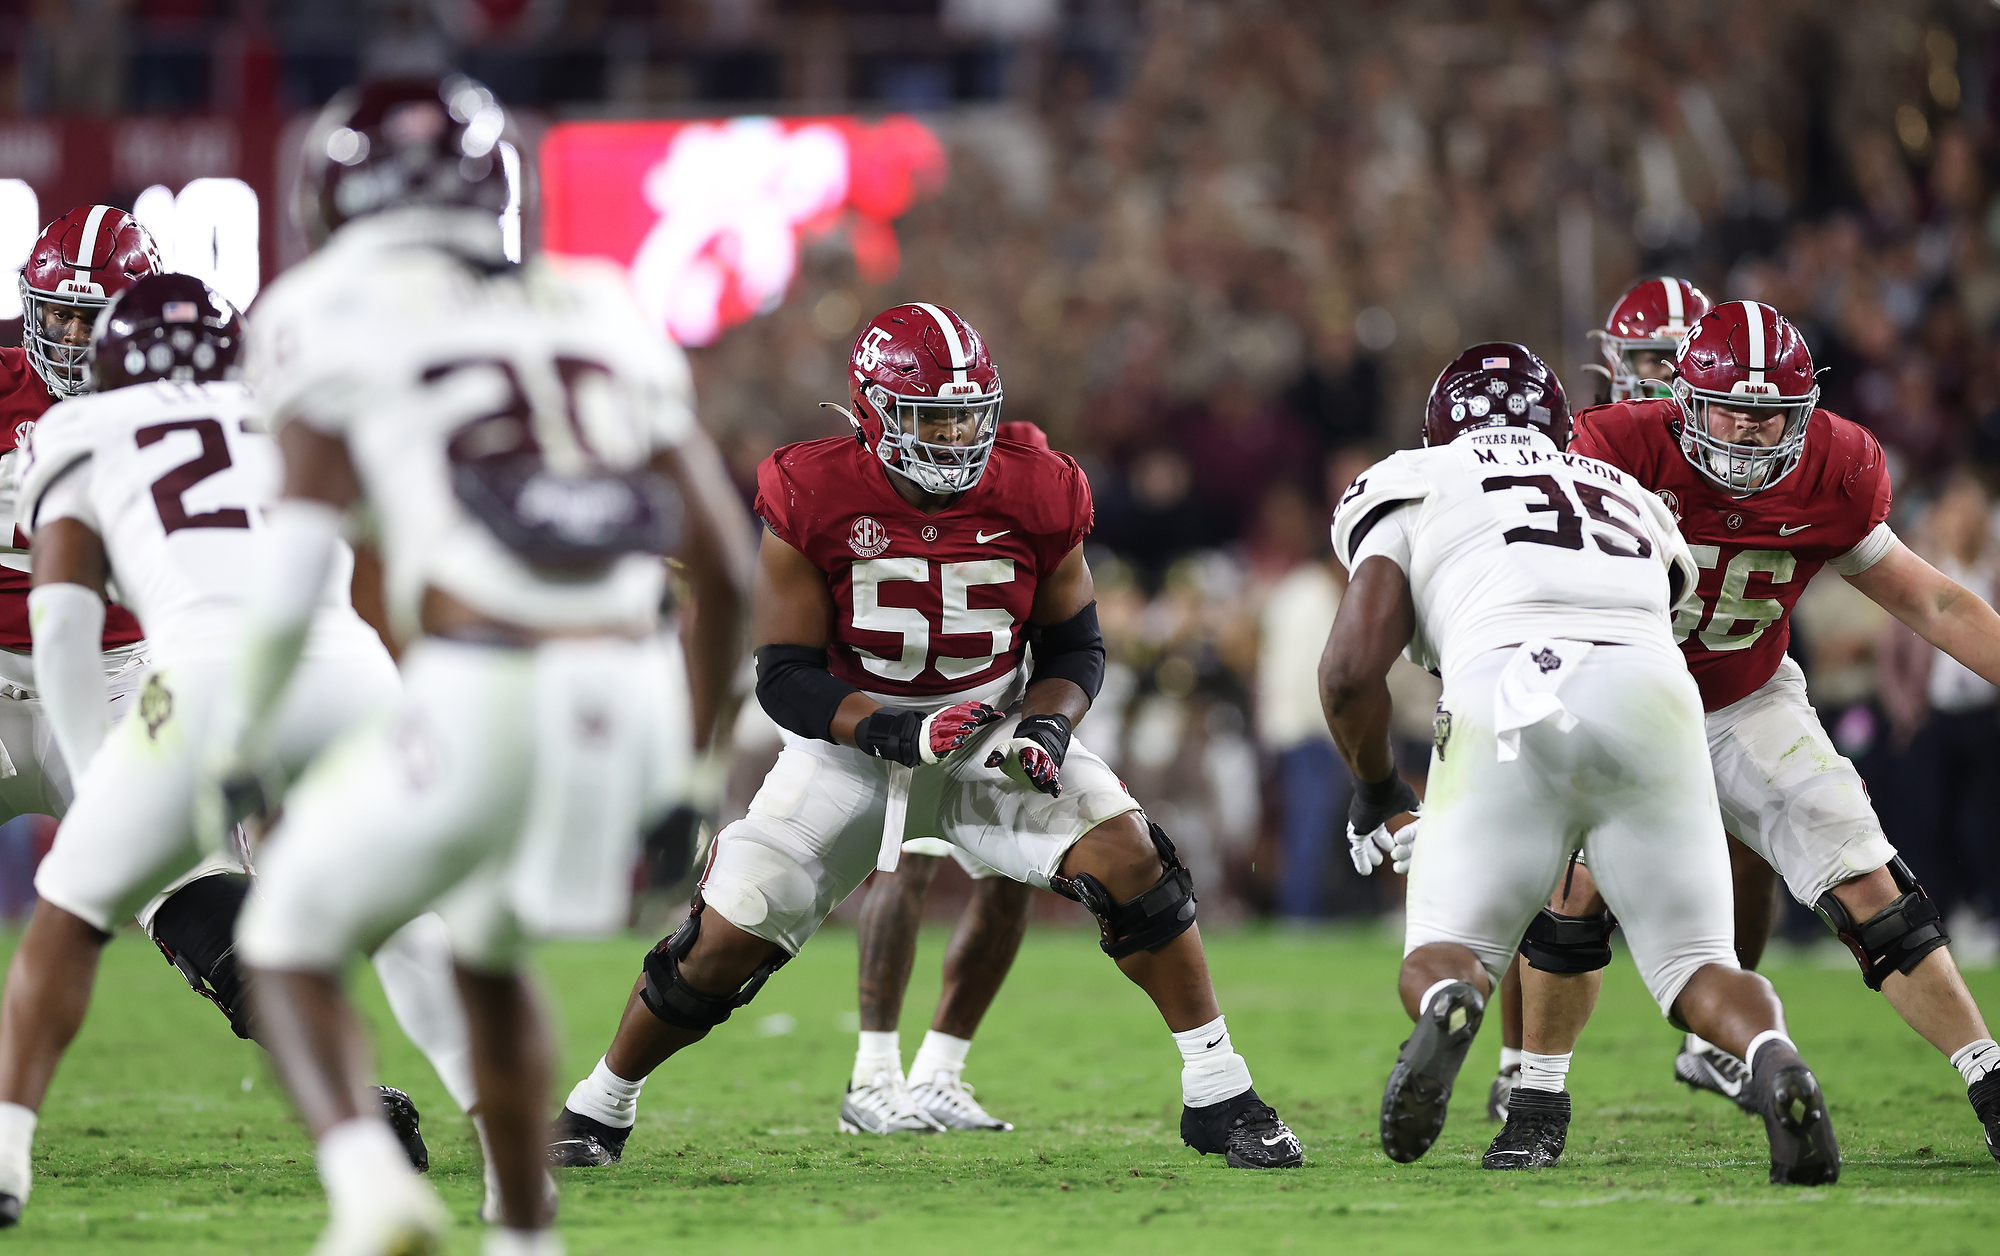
<point x="914" y="739"/>
<point x="1034" y="754"/>
<point x="949" y="729"/>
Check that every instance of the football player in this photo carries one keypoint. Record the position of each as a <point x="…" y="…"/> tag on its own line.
<point x="903" y="571"/>
<point x="1541" y="586"/>
<point x="524" y="450"/>
<point x="158" y="475"/>
<point x="1767" y="489"/>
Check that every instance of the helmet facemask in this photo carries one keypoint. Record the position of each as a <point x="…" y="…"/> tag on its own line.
<point x="1626" y="382"/>
<point x="64" y="367"/>
<point x="935" y="466"/>
<point x="1742" y="469"/>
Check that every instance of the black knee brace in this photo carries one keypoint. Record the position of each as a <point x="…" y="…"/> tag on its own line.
<point x="1556" y="943"/>
<point x="1145" y="923"/>
<point x="1895" y="939"/>
<point x="196" y="930"/>
<point x="668" y="995"/>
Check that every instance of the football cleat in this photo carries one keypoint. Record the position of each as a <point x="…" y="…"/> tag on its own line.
<point x="578" y="1142"/>
<point x="1704" y="1066"/>
<point x="403" y="1218"/>
<point x="949" y="1102"/>
<point x="10" y="1210"/>
<point x="1244" y="1131"/>
<point x="885" y="1106"/>
<point x="1803" y="1149"/>
<point x="401" y="1113"/>
<point x="1537" y="1127"/>
<point x="1498" y="1093"/>
<point x="1984" y="1094"/>
<point x="1419" y="1089"/>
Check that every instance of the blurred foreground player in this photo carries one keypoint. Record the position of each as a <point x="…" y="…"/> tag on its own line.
<point x="1541" y="585"/>
<point x="525" y="451"/>
<point x="1767" y="488"/>
<point x="903" y="572"/>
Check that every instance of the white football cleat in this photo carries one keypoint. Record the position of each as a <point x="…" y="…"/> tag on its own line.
<point x="884" y="1106"/>
<point x="404" y="1217"/>
<point x="1702" y="1065"/>
<point x="949" y="1102"/>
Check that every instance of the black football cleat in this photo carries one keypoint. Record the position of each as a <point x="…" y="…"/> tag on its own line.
<point x="401" y="1111"/>
<point x="1244" y="1131"/>
<point x="10" y="1210"/>
<point x="1419" y="1089"/>
<point x="578" y="1142"/>
<point x="1803" y="1149"/>
<point x="1536" y="1130"/>
<point x="1985" y="1097"/>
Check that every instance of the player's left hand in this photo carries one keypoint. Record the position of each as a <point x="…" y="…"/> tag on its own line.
<point x="1368" y="838"/>
<point x="1034" y="755"/>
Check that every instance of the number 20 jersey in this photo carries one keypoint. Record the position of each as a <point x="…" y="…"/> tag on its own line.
<point x="925" y="605"/>
<point x="1756" y="553"/>
<point x="1504" y="538"/>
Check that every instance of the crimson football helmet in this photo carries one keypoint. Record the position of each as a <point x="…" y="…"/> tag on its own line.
<point x="921" y="365"/>
<point x="81" y="260"/>
<point x="1746" y="356"/>
<point x="1496" y="385"/>
<point x="165" y="326"/>
<point x="398" y="142"/>
<point x="1653" y="315"/>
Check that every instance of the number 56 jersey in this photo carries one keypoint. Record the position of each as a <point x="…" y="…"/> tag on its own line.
<point x="1505" y="538"/>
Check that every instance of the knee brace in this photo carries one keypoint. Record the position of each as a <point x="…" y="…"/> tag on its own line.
<point x="1145" y="923"/>
<point x="668" y="995"/>
<point x="1556" y="943"/>
<point x="1895" y="939"/>
<point x="196" y="930"/>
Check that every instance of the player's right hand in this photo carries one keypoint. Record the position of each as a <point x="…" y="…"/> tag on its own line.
<point x="1368" y="838"/>
<point x="946" y="731"/>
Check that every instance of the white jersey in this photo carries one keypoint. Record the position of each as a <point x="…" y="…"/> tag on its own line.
<point x="174" y="478"/>
<point x="404" y="335"/>
<point x="1506" y="539"/>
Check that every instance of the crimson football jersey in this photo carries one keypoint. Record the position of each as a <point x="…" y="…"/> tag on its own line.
<point x="23" y="398"/>
<point x="1757" y="552"/>
<point x="925" y="604"/>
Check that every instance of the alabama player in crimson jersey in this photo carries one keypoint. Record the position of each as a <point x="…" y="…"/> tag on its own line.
<point x="904" y="571"/>
<point x="1769" y="488"/>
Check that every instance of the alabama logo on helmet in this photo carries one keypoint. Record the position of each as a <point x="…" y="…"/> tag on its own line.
<point x="1645" y="330"/>
<point x="78" y="263"/>
<point x="926" y="397"/>
<point x="1746" y="358"/>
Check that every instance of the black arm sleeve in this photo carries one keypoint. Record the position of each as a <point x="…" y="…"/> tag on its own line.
<point x="1072" y="650"/>
<point x="797" y="691"/>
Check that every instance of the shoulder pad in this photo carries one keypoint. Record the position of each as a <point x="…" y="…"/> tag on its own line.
<point x="64" y="437"/>
<point x="1390" y="482"/>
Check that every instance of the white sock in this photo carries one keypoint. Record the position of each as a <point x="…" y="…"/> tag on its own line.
<point x="1769" y="1035"/>
<point x="1973" y="1061"/>
<point x="501" y="1241"/>
<point x="939" y="1053"/>
<point x="356" y="1157"/>
<point x="1510" y="1057"/>
<point x="878" y="1053"/>
<point x="606" y="1097"/>
<point x="17" y="1141"/>
<point x="1543" y="1072"/>
<point x="1211" y="1071"/>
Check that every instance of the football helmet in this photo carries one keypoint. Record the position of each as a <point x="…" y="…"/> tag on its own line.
<point x="1654" y="315"/>
<point x="1746" y="356"/>
<point x="398" y="142"/>
<point x="921" y="365"/>
<point x="81" y="260"/>
<point x="165" y="326"/>
<point x="1496" y="385"/>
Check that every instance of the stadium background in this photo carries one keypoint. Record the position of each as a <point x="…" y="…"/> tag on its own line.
<point x="1219" y="251"/>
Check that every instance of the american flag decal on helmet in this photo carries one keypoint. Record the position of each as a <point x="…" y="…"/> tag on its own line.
<point x="179" y="312"/>
<point x="1494" y="364"/>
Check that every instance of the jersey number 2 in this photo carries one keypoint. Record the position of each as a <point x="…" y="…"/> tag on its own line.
<point x="169" y="489"/>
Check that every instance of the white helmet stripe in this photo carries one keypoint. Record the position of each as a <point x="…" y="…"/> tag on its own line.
<point x="86" y="244"/>
<point x="960" y="359"/>
<point x="1676" y="312"/>
<point x="1755" y="324"/>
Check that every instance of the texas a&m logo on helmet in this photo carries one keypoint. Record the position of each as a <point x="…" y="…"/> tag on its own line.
<point x="80" y="261"/>
<point x="1496" y="385"/>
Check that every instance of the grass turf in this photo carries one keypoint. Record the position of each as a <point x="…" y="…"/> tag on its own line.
<point x="165" y="1134"/>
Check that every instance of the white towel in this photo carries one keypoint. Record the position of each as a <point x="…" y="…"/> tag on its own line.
<point x="1525" y="694"/>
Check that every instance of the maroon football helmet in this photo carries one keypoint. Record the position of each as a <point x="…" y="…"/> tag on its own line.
<point x="1746" y="356"/>
<point x="397" y="142"/>
<point x="165" y="326"/>
<point x="81" y="260"/>
<point x="916" y="365"/>
<point x="1496" y="385"/>
<point x="1654" y="315"/>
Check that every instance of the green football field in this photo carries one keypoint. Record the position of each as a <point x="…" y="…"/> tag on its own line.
<point x="165" y="1134"/>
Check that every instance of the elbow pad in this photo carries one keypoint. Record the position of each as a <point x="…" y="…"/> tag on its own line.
<point x="1072" y="650"/>
<point x="796" y="690"/>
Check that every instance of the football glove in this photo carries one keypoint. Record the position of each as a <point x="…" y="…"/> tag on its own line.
<point x="1368" y="838"/>
<point x="914" y="739"/>
<point x="1033" y="756"/>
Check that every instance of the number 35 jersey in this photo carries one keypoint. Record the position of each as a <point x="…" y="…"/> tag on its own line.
<point x="925" y="605"/>
<point x="1756" y="553"/>
<point x="172" y="477"/>
<point x="1504" y="538"/>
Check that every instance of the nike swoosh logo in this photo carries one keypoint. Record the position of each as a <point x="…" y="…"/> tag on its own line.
<point x="1274" y="1140"/>
<point x="1788" y="529"/>
<point x="982" y="538"/>
<point x="1211" y="1046"/>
